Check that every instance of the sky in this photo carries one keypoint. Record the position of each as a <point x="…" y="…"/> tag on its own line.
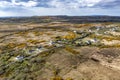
<point x="59" y="7"/>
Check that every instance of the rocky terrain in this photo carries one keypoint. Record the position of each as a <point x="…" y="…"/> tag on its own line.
<point x="57" y="50"/>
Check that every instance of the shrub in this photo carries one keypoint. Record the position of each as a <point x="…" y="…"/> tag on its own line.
<point x="70" y="35"/>
<point x="71" y="50"/>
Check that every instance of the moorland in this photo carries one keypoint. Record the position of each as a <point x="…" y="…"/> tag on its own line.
<point x="60" y="48"/>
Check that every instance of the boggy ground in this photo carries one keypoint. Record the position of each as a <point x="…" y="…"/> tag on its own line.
<point x="60" y="51"/>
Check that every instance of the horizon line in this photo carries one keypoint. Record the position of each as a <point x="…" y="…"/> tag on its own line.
<point x="58" y="15"/>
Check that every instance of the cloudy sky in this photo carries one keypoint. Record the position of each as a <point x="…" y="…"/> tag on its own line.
<point x="59" y="7"/>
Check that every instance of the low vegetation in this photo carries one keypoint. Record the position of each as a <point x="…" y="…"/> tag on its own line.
<point x="46" y="48"/>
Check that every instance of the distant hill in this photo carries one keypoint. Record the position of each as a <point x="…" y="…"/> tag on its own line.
<point x="71" y="19"/>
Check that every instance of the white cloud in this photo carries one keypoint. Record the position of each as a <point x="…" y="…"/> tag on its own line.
<point x="88" y="3"/>
<point x="4" y="3"/>
<point x="57" y="7"/>
<point x="78" y="3"/>
<point x="13" y="3"/>
<point x="55" y="11"/>
<point x="30" y="3"/>
<point x="57" y="3"/>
